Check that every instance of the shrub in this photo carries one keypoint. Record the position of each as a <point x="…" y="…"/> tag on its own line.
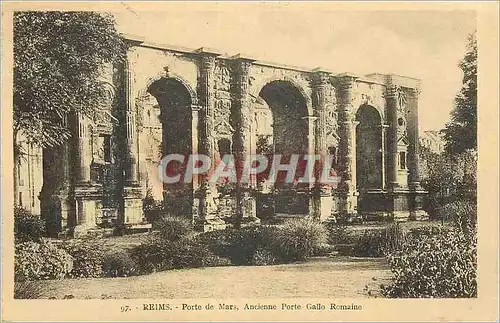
<point x="28" y="290"/>
<point x="463" y="215"/>
<point x="189" y="254"/>
<point x="238" y="245"/>
<point x="153" y="255"/>
<point x="323" y="250"/>
<point x="263" y="257"/>
<point x="338" y="233"/>
<point x="27" y="226"/>
<point x="266" y="244"/>
<point x="157" y="254"/>
<point x="88" y="256"/>
<point x="218" y="241"/>
<point x="35" y="261"/>
<point x="370" y="244"/>
<point x="212" y="260"/>
<point x="151" y="207"/>
<point x="376" y="243"/>
<point x="119" y="264"/>
<point x="245" y="242"/>
<point x="297" y="239"/>
<point x="434" y="262"/>
<point x="173" y="228"/>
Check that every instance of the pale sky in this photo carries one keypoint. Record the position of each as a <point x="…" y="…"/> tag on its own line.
<point x="421" y="44"/>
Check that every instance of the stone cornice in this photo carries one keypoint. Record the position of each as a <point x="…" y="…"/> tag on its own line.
<point x="207" y="51"/>
<point x="373" y="78"/>
<point x="240" y="57"/>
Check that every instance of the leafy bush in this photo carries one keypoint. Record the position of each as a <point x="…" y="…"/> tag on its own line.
<point x="212" y="260"/>
<point x="88" y="257"/>
<point x="158" y="254"/>
<point x="27" y="226"/>
<point x="266" y="244"/>
<point x="118" y="264"/>
<point x="218" y="241"/>
<point x="154" y="254"/>
<point x="246" y="241"/>
<point x="152" y="208"/>
<point x="28" y="290"/>
<point x="338" y="233"/>
<point x="297" y="239"/>
<point x="376" y="243"/>
<point x="463" y="215"/>
<point x="323" y="250"/>
<point x="434" y="262"/>
<point x="36" y="261"/>
<point x="239" y="245"/>
<point x="189" y="254"/>
<point x="173" y="228"/>
<point x="263" y="257"/>
<point x="370" y="244"/>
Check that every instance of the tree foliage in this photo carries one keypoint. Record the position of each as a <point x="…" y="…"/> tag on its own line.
<point x="450" y="178"/>
<point x="58" y="58"/>
<point x="460" y="133"/>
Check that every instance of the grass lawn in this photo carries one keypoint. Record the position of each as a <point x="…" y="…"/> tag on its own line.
<point x="319" y="277"/>
<point x="338" y="276"/>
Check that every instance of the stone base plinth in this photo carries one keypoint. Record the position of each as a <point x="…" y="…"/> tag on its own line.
<point x="400" y="216"/>
<point x="88" y="207"/>
<point x="322" y="206"/>
<point x="132" y="206"/>
<point x="58" y="210"/>
<point x="398" y="204"/>
<point x="137" y="228"/>
<point x="208" y="225"/>
<point x="419" y="215"/>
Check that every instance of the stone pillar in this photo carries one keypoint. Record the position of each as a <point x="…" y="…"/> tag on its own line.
<point x="87" y="194"/>
<point x="132" y="192"/>
<point x="313" y="188"/>
<point x="347" y="158"/>
<point x="206" y="195"/>
<point x="195" y="109"/>
<point x="320" y="89"/>
<point x="83" y="151"/>
<point x="383" y="133"/>
<point x="417" y="193"/>
<point x="392" y="137"/>
<point x="131" y="135"/>
<point x="56" y="201"/>
<point x="322" y="195"/>
<point x="241" y="120"/>
<point x="353" y="156"/>
<point x="413" y="138"/>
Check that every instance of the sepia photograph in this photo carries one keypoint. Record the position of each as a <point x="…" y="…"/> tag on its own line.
<point x="271" y="160"/>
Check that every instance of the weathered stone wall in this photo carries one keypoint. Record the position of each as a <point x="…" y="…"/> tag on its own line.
<point x="220" y="108"/>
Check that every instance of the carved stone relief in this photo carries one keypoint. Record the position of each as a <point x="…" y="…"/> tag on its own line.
<point x="331" y="125"/>
<point x="223" y="77"/>
<point x="222" y="112"/>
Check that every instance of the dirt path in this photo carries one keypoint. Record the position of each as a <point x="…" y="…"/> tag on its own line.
<point x="320" y="277"/>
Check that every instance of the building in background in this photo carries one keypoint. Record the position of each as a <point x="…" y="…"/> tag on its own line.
<point x="432" y="140"/>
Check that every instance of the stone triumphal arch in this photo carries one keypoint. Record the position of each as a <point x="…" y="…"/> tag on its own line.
<point x="168" y="100"/>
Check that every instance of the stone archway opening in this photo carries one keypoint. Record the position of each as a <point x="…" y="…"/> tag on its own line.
<point x="282" y="129"/>
<point x="368" y="149"/>
<point x="175" y="103"/>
